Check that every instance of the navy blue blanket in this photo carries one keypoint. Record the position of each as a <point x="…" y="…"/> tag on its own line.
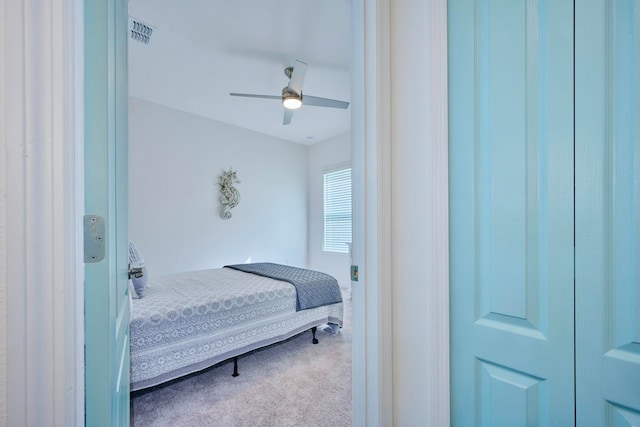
<point x="314" y="289"/>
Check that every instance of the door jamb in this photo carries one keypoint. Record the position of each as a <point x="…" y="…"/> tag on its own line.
<point x="371" y="165"/>
<point x="42" y="111"/>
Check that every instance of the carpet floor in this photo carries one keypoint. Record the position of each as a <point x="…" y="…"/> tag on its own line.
<point x="293" y="383"/>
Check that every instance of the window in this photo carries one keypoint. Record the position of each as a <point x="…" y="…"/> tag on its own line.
<point x="337" y="210"/>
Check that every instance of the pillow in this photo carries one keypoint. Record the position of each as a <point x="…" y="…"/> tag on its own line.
<point x="136" y="261"/>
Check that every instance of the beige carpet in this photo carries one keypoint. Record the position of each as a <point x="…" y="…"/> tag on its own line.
<point x="294" y="383"/>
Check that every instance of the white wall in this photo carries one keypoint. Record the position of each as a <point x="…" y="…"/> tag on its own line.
<point x="175" y="161"/>
<point x="3" y="235"/>
<point x="322" y="155"/>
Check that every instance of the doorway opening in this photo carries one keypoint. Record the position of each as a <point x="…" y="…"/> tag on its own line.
<point x="223" y="145"/>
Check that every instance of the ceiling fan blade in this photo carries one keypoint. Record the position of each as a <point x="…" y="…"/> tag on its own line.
<point x="323" y="102"/>
<point x="252" y="95"/>
<point x="297" y="76"/>
<point x="288" y="115"/>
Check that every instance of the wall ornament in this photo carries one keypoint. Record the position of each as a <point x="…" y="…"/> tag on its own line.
<point x="229" y="195"/>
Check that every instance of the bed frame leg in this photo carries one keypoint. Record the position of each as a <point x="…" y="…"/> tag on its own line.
<point x="313" y="331"/>
<point x="235" y="367"/>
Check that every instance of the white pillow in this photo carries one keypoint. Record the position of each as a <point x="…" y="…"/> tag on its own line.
<point x="136" y="261"/>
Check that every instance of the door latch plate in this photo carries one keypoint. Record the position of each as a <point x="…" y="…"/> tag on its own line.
<point x="94" y="238"/>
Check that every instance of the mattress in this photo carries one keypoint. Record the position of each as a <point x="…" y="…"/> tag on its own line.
<point x="189" y="321"/>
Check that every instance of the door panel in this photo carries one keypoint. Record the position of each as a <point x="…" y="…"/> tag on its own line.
<point x="608" y="212"/>
<point x="107" y="307"/>
<point x="511" y="211"/>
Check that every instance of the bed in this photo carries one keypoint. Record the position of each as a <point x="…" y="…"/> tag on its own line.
<point x="189" y="321"/>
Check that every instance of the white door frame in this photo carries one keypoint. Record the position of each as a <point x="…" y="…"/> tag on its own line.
<point x="43" y="110"/>
<point x="42" y="114"/>
<point x="400" y="162"/>
<point x="372" y="364"/>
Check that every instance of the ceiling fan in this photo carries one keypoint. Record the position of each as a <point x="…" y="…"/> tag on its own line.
<point x="292" y="97"/>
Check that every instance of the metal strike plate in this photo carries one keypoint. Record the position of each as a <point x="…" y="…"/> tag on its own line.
<point x="354" y="273"/>
<point x="94" y="238"/>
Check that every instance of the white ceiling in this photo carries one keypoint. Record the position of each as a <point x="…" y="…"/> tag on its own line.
<point x="203" y="49"/>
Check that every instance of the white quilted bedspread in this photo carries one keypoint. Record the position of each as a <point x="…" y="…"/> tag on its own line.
<point x="189" y="321"/>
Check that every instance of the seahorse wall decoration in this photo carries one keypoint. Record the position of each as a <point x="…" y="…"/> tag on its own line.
<point x="229" y="195"/>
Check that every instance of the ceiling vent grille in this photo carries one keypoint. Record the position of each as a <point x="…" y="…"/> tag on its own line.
<point x="140" y="31"/>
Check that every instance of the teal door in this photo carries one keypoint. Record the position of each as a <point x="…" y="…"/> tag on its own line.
<point x="608" y="212"/>
<point x="514" y="161"/>
<point x="107" y="306"/>
<point x="511" y="212"/>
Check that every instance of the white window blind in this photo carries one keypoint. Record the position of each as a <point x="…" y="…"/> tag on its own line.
<point x="337" y="210"/>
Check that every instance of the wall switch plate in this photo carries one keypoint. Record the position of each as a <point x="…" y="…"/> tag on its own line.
<point x="354" y="273"/>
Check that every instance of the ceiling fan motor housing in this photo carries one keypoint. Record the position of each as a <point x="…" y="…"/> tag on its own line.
<point x="288" y="72"/>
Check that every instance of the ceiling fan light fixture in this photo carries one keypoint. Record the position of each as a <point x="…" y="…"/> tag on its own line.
<point x="292" y="103"/>
<point x="291" y="100"/>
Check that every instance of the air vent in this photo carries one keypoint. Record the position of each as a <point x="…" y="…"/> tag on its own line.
<point x="140" y="31"/>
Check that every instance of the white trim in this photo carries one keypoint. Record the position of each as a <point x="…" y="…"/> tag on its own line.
<point x="419" y="212"/>
<point x="75" y="403"/>
<point x="439" y="217"/>
<point x="388" y="37"/>
<point x="378" y="214"/>
<point x="16" y="228"/>
<point x="357" y="167"/>
<point x="384" y="210"/>
<point x="44" y="333"/>
<point x="3" y="227"/>
<point x="359" y="313"/>
<point x="371" y="165"/>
